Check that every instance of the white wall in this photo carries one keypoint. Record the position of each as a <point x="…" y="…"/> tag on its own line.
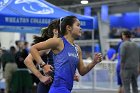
<point x="8" y="39"/>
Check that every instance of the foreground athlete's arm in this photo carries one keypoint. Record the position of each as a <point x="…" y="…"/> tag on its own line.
<point x="85" y="69"/>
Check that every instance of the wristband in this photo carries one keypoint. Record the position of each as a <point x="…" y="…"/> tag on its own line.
<point x="42" y="64"/>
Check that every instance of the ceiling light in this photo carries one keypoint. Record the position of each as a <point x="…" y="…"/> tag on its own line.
<point x="84" y="1"/>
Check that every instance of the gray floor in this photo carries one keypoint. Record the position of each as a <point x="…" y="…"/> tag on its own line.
<point x="94" y="91"/>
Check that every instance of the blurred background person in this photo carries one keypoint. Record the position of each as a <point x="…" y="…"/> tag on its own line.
<point x="130" y="62"/>
<point x="111" y="54"/>
<point x="9" y="65"/>
<point x="21" y="79"/>
<point x="119" y="80"/>
<point x="26" y="44"/>
<point x="21" y="54"/>
<point x="17" y="43"/>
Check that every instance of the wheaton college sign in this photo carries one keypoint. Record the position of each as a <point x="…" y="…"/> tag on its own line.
<point x="27" y="20"/>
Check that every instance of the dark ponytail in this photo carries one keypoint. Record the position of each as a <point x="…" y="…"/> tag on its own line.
<point x="53" y="25"/>
<point x="41" y="38"/>
<point x="47" y="32"/>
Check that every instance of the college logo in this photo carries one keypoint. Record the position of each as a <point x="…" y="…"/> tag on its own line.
<point x="35" y="7"/>
<point x="4" y="3"/>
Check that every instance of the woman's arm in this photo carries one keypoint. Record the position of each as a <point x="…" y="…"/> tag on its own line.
<point x="85" y="69"/>
<point x="29" y="63"/>
<point x="49" y="44"/>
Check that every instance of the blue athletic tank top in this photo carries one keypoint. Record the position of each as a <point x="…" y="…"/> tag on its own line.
<point x="65" y="64"/>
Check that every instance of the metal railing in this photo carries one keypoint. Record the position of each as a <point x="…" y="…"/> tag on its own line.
<point x="102" y="76"/>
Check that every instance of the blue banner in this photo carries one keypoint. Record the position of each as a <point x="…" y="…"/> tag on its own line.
<point x="37" y="22"/>
<point x="36" y="13"/>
